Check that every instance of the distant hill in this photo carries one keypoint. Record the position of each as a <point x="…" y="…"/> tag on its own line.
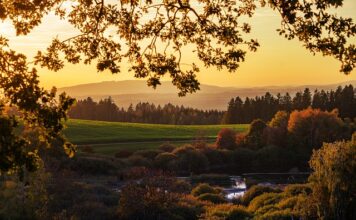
<point x="209" y="97"/>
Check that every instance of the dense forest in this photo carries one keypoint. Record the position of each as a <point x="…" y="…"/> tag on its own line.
<point x="107" y="110"/>
<point x="238" y="111"/>
<point x="264" y="107"/>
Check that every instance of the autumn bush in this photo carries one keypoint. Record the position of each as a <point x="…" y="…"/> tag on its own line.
<point x="204" y="188"/>
<point x="227" y="211"/>
<point x="255" y="191"/>
<point x="165" y="161"/>
<point x="264" y="199"/>
<point x="166" y="147"/>
<point x="148" y="154"/>
<point x="157" y="197"/>
<point x="226" y="139"/>
<point x="190" y="160"/>
<point x="309" y="128"/>
<point x="139" y="161"/>
<point x="212" y="197"/>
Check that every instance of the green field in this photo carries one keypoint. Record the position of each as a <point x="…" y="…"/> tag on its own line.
<point x="109" y="137"/>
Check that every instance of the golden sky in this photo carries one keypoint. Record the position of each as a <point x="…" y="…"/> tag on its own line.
<point x="277" y="62"/>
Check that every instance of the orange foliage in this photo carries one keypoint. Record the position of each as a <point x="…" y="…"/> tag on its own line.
<point x="312" y="127"/>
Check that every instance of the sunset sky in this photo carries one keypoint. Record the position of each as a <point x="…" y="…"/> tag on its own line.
<point x="277" y="62"/>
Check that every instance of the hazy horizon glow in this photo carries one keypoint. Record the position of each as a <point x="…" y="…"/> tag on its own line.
<point x="277" y="62"/>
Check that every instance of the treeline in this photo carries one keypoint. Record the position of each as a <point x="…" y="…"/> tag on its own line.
<point x="107" y="110"/>
<point x="264" y="107"/>
<point x="238" y="112"/>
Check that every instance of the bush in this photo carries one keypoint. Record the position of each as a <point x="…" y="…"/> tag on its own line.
<point x="280" y="120"/>
<point x="238" y="213"/>
<point x="93" y="210"/>
<point x="165" y="160"/>
<point x="91" y="165"/>
<point x="166" y="147"/>
<point x="309" y="128"/>
<point x="278" y="215"/>
<point x="188" y="208"/>
<point x="296" y="189"/>
<point x="289" y="202"/>
<point x="274" y="159"/>
<point x="242" y="159"/>
<point x="212" y="197"/>
<point x="253" y="192"/>
<point x="264" y="200"/>
<point x="139" y="161"/>
<point x="227" y="211"/>
<point x="190" y="160"/>
<point x="148" y="154"/>
<point x="215" y="156"/>
<point x="226" y="139"/>
<point x="255" y="136"/>
<point x="204" y="188"/>
<point x="256" y="127"/>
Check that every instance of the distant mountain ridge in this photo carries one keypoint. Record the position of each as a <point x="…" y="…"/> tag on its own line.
<point x="209" y="97"/>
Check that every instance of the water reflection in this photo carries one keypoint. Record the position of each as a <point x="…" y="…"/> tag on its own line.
<point x="238" y="188"/>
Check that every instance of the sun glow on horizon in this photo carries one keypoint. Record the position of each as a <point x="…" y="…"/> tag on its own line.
<point x="277" y="62"/>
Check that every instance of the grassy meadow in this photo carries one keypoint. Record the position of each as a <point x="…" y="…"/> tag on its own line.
<point x="109" y="137"/>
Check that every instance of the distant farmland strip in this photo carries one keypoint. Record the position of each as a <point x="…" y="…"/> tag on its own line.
<point x="97" y="132"/>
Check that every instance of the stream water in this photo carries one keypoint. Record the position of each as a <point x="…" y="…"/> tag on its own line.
<point x="237" y="189"/>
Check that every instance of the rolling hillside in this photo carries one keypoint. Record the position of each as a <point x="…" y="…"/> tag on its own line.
<point x="209" y="97"/>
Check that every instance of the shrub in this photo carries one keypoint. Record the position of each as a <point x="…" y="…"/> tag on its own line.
<point x="92" y="210"/>
<point x="264" y="200"/>
<point x="227" y="211"/>
<point x="215" y="156"/>
<point x="212" y="197"/>
<point x="145" y="202"/>
<point x="274" y="159"/>
<point x="255" y="136"/>
<point x="190" y="159"/>
<point x="226" y="139"/>
<point x="311" y="127"/>
<point x="279" y="120"/>
<point x="166" y="147"/>
<point x="289" y="202"/>
<point x="204" y="188"/>
<point x="139" y="161"/>
<point x="240" y="140"/>
<point x="253" y="192"/>
<point x="188" y="208"/>
<point x="148" y="154"/>
<point x="164" y="160"/>
<point x="278" y="215"/>
<point x="157" y="197"/>
<point x="242" y="159"/>
<point x="296" y="189"/>
<point x="256" y="127"/>
<point x="91" y="165"/>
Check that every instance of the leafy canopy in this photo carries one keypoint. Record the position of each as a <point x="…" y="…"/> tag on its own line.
<point x="150" y="34"/>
